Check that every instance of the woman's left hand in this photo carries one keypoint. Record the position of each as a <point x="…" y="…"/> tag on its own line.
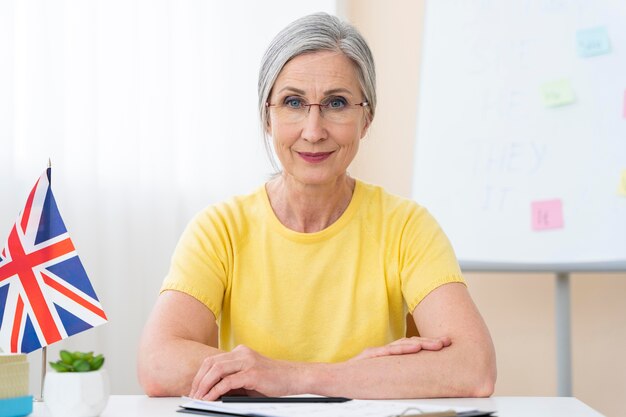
<point x="243" y="371"/>
<point x="405" y="346"/>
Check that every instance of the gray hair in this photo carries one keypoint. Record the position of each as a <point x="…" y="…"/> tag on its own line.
<point x="314" y="33"/>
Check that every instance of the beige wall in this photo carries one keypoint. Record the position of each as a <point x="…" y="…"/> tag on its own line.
<point x="518" y="308"/>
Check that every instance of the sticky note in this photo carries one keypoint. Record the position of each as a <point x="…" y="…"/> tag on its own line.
<point x="557" y="93"/>
<point x="547" y="214"/>
<point x="621" y="188"/>
<point x="624" y="104"/>
<point x="592" y="42"/>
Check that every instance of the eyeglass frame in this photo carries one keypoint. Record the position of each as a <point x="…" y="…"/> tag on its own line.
<point x="362" y="105"/>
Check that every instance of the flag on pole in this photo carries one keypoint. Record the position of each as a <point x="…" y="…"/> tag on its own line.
<point x="45" y="294"/>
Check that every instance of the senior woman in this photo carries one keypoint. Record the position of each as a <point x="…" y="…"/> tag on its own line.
<point x="311" y="276"/>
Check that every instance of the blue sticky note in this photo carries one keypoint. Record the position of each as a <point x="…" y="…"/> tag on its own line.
<point x="592" y="42"/>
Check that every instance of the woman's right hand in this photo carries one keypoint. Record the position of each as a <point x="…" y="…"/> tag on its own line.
<point x="404" y="346"/>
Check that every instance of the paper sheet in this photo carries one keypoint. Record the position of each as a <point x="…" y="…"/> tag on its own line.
<point x="354" y="408"/>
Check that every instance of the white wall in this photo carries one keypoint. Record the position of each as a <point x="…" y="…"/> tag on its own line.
<point x="148" y="111"/>
<point x="518" y="308"/>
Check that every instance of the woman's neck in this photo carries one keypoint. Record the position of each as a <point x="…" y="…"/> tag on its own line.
<point x="309" y="208"/>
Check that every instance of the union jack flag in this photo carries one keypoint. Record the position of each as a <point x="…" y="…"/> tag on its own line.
<point x="45" y="294"/>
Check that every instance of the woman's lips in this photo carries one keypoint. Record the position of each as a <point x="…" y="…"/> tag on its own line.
<point x="314" y="157"/>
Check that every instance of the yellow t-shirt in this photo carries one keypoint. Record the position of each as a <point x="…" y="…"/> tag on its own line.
<point x="321" y="296"/>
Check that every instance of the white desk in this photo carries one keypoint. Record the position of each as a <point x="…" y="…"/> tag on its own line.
<point x="140" y="406"/>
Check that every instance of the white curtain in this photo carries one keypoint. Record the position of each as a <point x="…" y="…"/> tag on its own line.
<point x="147" y="109"/>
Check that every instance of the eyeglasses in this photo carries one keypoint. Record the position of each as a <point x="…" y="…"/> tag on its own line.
<point x="333" y="109"/>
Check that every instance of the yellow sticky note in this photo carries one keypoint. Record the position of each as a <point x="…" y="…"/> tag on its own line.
<point x="557" y="93"/>
<point x="621" y="188"/>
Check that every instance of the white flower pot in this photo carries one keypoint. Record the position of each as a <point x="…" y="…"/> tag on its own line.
<point x="76" y="394"/>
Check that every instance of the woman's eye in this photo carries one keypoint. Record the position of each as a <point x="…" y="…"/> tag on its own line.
<point x="336" y="103"/>
<point x="293" y="102"/>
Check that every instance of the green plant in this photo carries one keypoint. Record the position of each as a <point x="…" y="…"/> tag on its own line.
<point x="77" y="362"/>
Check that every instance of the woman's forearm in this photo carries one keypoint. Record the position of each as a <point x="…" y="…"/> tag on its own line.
<point x="167" y="368"/>
<point x="450" y="372"/>
<point x="177" y="337"/>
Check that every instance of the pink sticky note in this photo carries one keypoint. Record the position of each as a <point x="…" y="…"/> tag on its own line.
<point x="547" y="214"/>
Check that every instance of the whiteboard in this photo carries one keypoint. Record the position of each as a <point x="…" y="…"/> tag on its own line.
<point x="521" y="132"/>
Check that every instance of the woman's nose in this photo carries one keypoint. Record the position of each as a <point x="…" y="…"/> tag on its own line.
<point x="314" y="128"/>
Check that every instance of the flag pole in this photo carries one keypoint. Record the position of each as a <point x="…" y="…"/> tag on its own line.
<point x="44" y="354"/>
<point x="44" y="350"/>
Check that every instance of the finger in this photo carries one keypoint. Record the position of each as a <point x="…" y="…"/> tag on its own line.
<point x="430" y="343"/>
<point x="436" y="343"/>
<point x="368" y="353"/>
<point x="207" y="363"/>
<point x="407" y="346"/>
<point x="404" y="340"/>
<point x="230" y="383"/>
<point x="413" y="339"/>
<point x="387" y="350"/>
<point x="402" y="349"/>
<point x="218" y="371"/>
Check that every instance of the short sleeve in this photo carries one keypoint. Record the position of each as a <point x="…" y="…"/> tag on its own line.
<point x="200" y="263"/>
<point x="427" y="258"/>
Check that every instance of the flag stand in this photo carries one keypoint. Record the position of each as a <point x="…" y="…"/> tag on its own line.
<point x="44" y="354"/>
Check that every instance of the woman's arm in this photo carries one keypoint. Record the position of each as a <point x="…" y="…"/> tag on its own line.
<point x="467" y="368"/>
<point x="179" y="334"/>
<point x="464" y="368"/>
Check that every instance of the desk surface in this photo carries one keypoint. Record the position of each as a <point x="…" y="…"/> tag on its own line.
<point x="140" y="406"/>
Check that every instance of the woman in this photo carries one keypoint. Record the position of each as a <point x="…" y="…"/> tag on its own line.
<point x="311" y="276"/>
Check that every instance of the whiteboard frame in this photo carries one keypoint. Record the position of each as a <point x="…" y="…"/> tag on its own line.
<point x="487" y="266"/>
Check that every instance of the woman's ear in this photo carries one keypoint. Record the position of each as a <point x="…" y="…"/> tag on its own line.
<point x="268" y="127"/>
<point x="268" y="121"/>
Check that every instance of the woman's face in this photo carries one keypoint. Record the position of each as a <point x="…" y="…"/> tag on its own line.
<point x="317" y="149"/>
